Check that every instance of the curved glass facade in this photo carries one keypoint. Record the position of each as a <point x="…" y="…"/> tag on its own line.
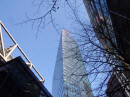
<point x="67" y="79"/>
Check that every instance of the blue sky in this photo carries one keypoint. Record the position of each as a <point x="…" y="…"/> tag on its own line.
<point x="41" y="51"/>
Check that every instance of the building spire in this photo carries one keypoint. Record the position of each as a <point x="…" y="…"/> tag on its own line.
<point x="64" y="31"/>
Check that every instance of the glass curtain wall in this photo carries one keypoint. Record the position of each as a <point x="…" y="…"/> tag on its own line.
<point x="101" y="22"/>
<point x="68" y="80"/>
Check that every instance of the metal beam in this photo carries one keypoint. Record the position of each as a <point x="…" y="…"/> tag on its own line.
<point x="12" y="48"/>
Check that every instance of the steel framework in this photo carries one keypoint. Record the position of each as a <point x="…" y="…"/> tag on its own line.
<point x="5" y="53"/>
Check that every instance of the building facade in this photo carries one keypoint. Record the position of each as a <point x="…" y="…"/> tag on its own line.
<point x="110" y="20"/>
<point x="17" y="80"/>
<point x="101" y="22"/>
<point x="114" y="88"/>
<point x="70" y="79"/>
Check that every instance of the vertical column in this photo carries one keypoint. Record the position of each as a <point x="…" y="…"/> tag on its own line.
<point x="2" y="50"/>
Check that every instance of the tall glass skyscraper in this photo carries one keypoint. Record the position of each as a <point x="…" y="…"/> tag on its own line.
<point x="69" y="68"/>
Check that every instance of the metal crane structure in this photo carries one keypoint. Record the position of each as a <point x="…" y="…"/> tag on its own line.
<point x="5" y="53"/>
